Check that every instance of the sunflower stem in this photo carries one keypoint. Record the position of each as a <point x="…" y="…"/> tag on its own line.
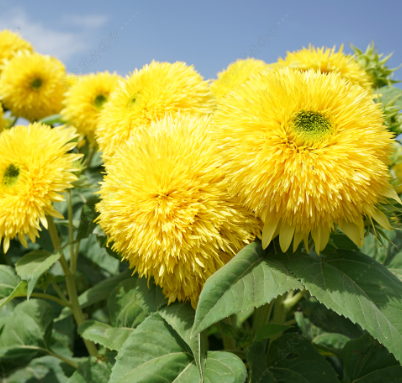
<point x="261" y="315"/>
<point x="58" y="291"/>
<point x="71" y="288"/>
<point x="73" y="258"/>
<point x="61" y="302"/>
<point x="228" y="343"/>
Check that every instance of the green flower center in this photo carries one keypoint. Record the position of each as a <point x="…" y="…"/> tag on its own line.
<point x="312" y="126"/>
<point x="100" y="101"/>
<point x="37" y="83"/>
<point x="10" y="176"/>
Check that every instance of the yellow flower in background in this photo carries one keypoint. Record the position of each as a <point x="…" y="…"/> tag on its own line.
<point x="146" y="96"/>
<point x="236" y="73"/>
<point x="35" y="169"/>
<point x="397" y="170"/>
<point x="306" y="152"/>
<point x="327" y="60"/>
<point x="70" y="79"/>
<point x="166" y="208"/>
<point x="3" y="121"/>
<point x="32" y="85"/>
<point x="11" y="43"/>
<point x="85" y="101"/>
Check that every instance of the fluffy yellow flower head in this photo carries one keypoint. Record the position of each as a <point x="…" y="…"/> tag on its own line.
<point x="85" y="101"/>
<point x="147" y="95"/>
<point x="237" y="73"/>
<point x="306" y="152"/>
<point x="34" y="169"/>
<point x="166" y="208"/>
<point x="3" y="121"/>
<point x="32" y="85"/>
<point x="327" y="60"/>
<point x="10" y="43"/>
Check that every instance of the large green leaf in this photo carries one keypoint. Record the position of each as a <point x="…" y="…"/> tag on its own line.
<point x="97" y="293"/>
<point x="366" y="361"/>
<point x="124" y="304"/>
<point x="258" y="362"/>
<point x="270" y="330"/>
<point x="390" y="92"/>
<point x="27" y="332"/>
<point x="101" y="333"/>
<point x="181" y="317"/>
<point x="356" y="286"/>
<point x="293" y="358"/>
<point x="155" y="353"/>
<point x="32" y="265"/>
<point x="10" y="285"/>
<point x="253" y="277"/>
<point x="94" y="370"/>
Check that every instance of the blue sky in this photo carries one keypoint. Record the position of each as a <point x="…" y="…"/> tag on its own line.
<point x="90" y="36"/>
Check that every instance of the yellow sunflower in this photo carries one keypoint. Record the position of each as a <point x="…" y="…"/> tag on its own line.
<point x="34" y="169"/>
<point x="85" y="101"/>
<point x="327" y="60"/>
<point x="3" y="121"/>
<point x="146" y="96"/>
<point x="306" y="152"/>
<point x="166" y="208"/>
<point x="10" y="43"/>
<point x="236" y="73"/>
<point x="32" y="85"/>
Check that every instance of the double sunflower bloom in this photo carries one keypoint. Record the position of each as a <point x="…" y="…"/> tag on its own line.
<point x="195" y="172"/>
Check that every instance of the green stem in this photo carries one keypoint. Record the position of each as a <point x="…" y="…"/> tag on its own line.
<point x="228" y="343"/>
<point x="91" y="152"/>
<point x="204" y="335"/>
<point x="49" y="297"/>
<point x="73" y="259"/>
<point x="65" y="360"/>
<point x="261" y="315"/>
<point x="58" y="291"/>
<point x="292" y="300"/>
<point x="70" y="281"/>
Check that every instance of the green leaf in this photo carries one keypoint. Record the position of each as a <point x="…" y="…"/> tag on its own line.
<point x="10" y="286"/>
<point x="46" y="369"/>
<point x="32" y="265"/>
<point x="27" y="332"/>
<point x="53" y="119"/>
<point x="257" y="359"/>
<point x="88" y="215"/>
<point x="101" y="333"/>
<point x="270" y="330"/>
<point x="155" y="353"/>
<point x="124" y="305"/>
<point x="97" y="293"/>
<point x="94" y="370"/>
<point x="389" y="92"/>
<point x="366" y="361"/>
<point x="292" y="358"/>
<point x="181" y="317"/>
<point x="90" y="249"/>
<point x="356" y="286"/>
<point x="253" y="277"/>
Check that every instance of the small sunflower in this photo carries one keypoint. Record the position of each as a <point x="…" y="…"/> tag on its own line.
<point x="236" y="73"/>
<point x="34" y="170"/>
<point x="32" y="85"/>
<point x="10" y="43"/>
<point x="166" y="208"/>
<point x="85" y="101"/>
<point x="326" y="60"/>
<point x="147" y="95"/>
<point x="3" y="121"/>
<point x="306" y="152"/>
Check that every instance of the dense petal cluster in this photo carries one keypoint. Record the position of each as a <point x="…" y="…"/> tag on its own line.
<point x="166" y="208"/>
<point x="86" y="99"/>
<point x="34" y="169"/>
<point x="32" y="85"/>
<point x="326" y="60"/>
<point x="305" y="152"/>
<point x="236" y="73"/>
<point x="147" y="95"/>
<point x="11" y="43"/>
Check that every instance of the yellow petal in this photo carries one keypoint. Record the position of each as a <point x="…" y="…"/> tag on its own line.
<point x="54" y="213"/>
<point x="391" y="193"/>
<point x="22" y="239"/>
<point x="352" y="231"/>
<point x="320" y="236"/>
<point x="297" y="239"/>
<point x="305" y="240"/>
<point x="6" y="244"/>
<point x="286" y="236"/>
<point x="382" y="219"/>
<point x="43" y="221"/>
<point x="268" y="231"/>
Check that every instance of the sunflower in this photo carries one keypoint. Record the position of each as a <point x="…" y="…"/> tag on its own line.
<point x="35" y="168"/>
<point x="236" y="73"/>
<point x="3" y="121"/>
<point x="306" y="152"/>
<point x="10" y="43"/>
<point x="326" y="60"/>
<point x="32" y="85"/>
<point x="85" y="101"/>
<point x="146" y="96"/>
<point x="166" y="208"/>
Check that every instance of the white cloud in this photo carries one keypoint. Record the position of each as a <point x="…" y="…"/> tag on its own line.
<point x="46" y="40"/>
